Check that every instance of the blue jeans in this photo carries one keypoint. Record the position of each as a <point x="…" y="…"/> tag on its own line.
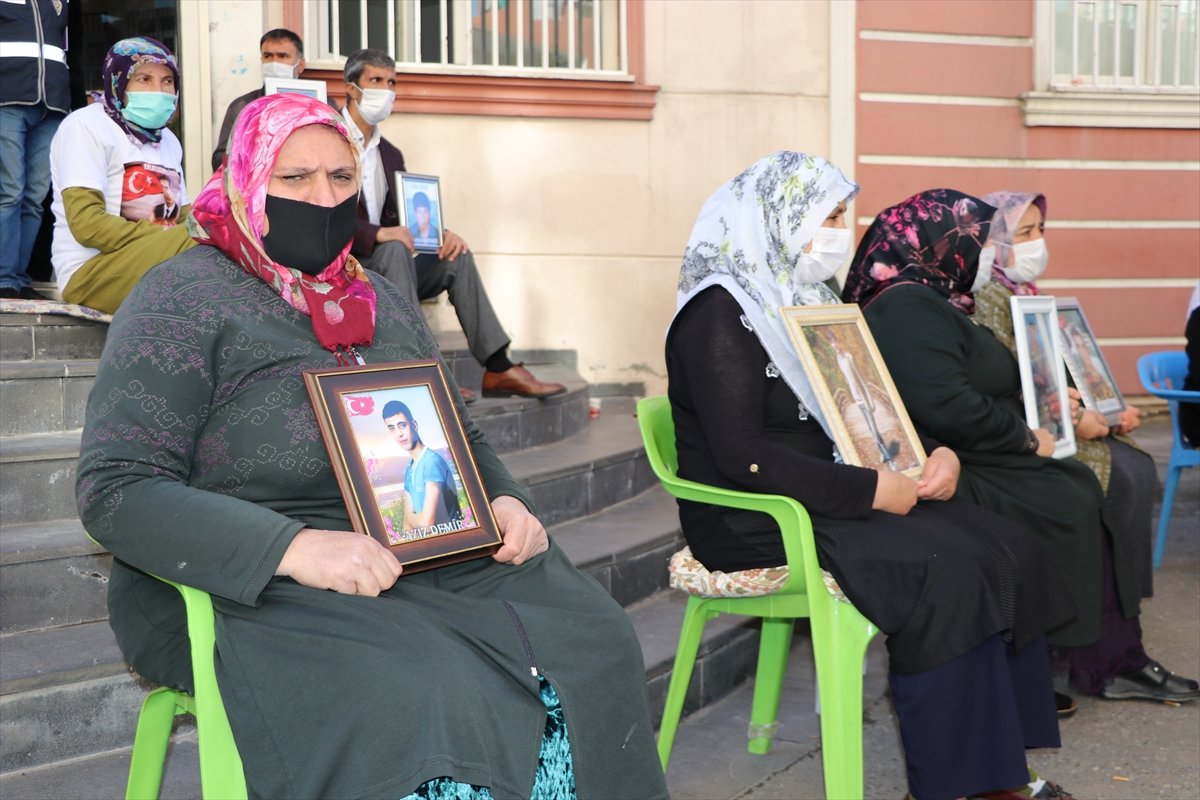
<point x="25" y="134"/>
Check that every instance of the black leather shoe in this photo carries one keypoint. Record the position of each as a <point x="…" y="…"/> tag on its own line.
<point x="1152" y="682"/>
<point x="1065" y="705"/>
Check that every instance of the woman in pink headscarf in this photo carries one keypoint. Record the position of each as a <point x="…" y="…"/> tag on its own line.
<point x="202" y="461"/>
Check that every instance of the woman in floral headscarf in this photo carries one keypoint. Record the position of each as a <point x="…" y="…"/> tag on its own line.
<point x="1127" y="474"/>
<point x="202" y="461"/>
<point x="117" y="172"/>
<point x="961" y="593"/>
<point x="915" y="273"/>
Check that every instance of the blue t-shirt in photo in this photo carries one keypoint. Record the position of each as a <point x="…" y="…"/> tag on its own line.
<point x="432" y="468"/>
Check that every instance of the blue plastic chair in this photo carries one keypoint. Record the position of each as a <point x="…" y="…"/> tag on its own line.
<point x="1162" y="374"/>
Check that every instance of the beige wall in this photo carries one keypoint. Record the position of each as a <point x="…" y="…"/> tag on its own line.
<point x="579" y="225"/>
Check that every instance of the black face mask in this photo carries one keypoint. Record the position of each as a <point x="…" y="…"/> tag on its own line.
<point x="308" y="237"/>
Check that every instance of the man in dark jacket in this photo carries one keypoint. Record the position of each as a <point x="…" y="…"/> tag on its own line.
<point x="282" y="57"/>
<point x="35" y="96"/>
<point x="385" y="246"/>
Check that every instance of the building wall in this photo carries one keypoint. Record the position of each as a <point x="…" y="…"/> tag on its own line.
<point x="579" y="225"/>
<point x="938" y="105"/>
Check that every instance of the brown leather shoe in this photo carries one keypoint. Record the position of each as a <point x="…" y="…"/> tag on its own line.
<point x="468" y="395"/>
<point x="520" y="382"/>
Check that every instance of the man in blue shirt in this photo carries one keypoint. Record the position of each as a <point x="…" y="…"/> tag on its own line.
<point x="431" y="497"/>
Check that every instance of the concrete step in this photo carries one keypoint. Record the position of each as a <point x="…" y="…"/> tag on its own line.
<point x="49" y="337"/>
<point x="67" y="692"/>
<point x="37" y="477"/>
<point x="599" y="463"/>
<point x="44" y="396"/>
<point x="51" y="575"/>
<point x="627" y="546"/>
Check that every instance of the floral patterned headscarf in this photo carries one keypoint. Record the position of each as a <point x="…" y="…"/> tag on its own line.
<point x="122" y="60"/>
<point x="230" y="210"/>
<point x="748" y="239"/>
<point x="932" y="238"/>
<point x="1010" y="207"/>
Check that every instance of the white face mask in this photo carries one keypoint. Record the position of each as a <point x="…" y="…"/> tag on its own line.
<point x="1029" y="261"/>
<point x="279" y="69"/>
<point x="984" y="273"/>
<point x="375" y="105"/>
<point x="830" y="246"/>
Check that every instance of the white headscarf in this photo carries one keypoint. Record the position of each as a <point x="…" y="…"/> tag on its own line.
<point x="748" y="239"/>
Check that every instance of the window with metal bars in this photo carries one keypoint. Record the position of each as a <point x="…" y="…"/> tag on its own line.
<point x="1125" y="45"/>
<point x="537" y="38"/>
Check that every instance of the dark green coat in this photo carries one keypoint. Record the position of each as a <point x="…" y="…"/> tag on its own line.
<point x="202" y="459"/>
<point x="961" y="387"/>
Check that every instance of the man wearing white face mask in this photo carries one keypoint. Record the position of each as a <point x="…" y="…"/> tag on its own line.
<point x="385" y="246"/>
<point x="282" y="55"/>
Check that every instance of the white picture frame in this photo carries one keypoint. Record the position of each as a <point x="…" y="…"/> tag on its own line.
<point x="1043" y="372"/>
<point x="426" y="191"/>
<point x="314" y="89"/>
<point x="1086" y="363"/>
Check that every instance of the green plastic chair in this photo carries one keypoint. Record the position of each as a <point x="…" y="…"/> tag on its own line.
<point x="840" y="634"/>
<point x="221" y="775"/>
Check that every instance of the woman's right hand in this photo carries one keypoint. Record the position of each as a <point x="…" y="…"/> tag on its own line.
<point x="895" y="492"/>
<point x="344" y="561"/>
<point x="1091" y="425"/>
<point x="1045" y="442"/>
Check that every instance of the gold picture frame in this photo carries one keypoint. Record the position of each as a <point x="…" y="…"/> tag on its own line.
<point x="870" y="426"/>
<point x="403" y="462"/>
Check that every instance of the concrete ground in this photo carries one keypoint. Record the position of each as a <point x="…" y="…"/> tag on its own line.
<point x="1111" y="750"/>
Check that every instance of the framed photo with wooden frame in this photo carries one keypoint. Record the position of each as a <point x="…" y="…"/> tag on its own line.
<point x="403" y="463"/>
<point x="1085" y="362"/>
<point x="421" y="209"/>
<point x="313" y="89"/>
<point x="1043" y="374"/>
<point x="870" y="425"/>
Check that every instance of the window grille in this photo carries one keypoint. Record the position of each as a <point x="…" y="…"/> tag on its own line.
<point x="535" y="38"/>
<point x="1111" y="45"/>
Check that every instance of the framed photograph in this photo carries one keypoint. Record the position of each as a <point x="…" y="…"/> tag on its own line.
<point x="421" y="209"/>
<point x="871" y="427"/>
<point x="314" y="89"/>
<point x="403" y="463"/>
<point x="1043" y="376"/>
<point x="1086" y="363"/>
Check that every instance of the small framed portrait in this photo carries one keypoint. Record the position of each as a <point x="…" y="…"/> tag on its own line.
<point x="403" y="463"/>
<point x="421" y="209"/>
<point x="1043" y="376"/>
<point x="1085" y="362"/>
<point x="314" y="89"/>
<point x="870" y="425"/>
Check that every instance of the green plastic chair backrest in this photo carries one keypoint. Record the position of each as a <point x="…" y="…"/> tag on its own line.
<point x="658" y="435"/>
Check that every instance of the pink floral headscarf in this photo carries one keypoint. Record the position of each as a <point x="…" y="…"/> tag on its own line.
<point x="933" y="238"/>
<point x="1010" y="207"/>
<point x="229" y="214"/>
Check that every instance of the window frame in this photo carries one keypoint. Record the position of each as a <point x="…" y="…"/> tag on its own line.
<point x="490" y="91"/>
<point x="1134" y="106"/>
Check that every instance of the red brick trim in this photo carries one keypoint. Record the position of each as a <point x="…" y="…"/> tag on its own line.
<point x="483" y="95"/>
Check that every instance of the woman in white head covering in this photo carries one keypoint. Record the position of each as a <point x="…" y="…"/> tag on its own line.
<point x="963" y="595"/>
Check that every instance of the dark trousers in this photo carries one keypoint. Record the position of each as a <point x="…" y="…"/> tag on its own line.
<point x="427" y="276"/>
<point x="965" y="724"/>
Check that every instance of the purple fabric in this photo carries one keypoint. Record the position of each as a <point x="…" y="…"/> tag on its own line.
<point x="119" y="64"/>
<point x="1119" y="650"/>
<point x="932" y="238"/>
